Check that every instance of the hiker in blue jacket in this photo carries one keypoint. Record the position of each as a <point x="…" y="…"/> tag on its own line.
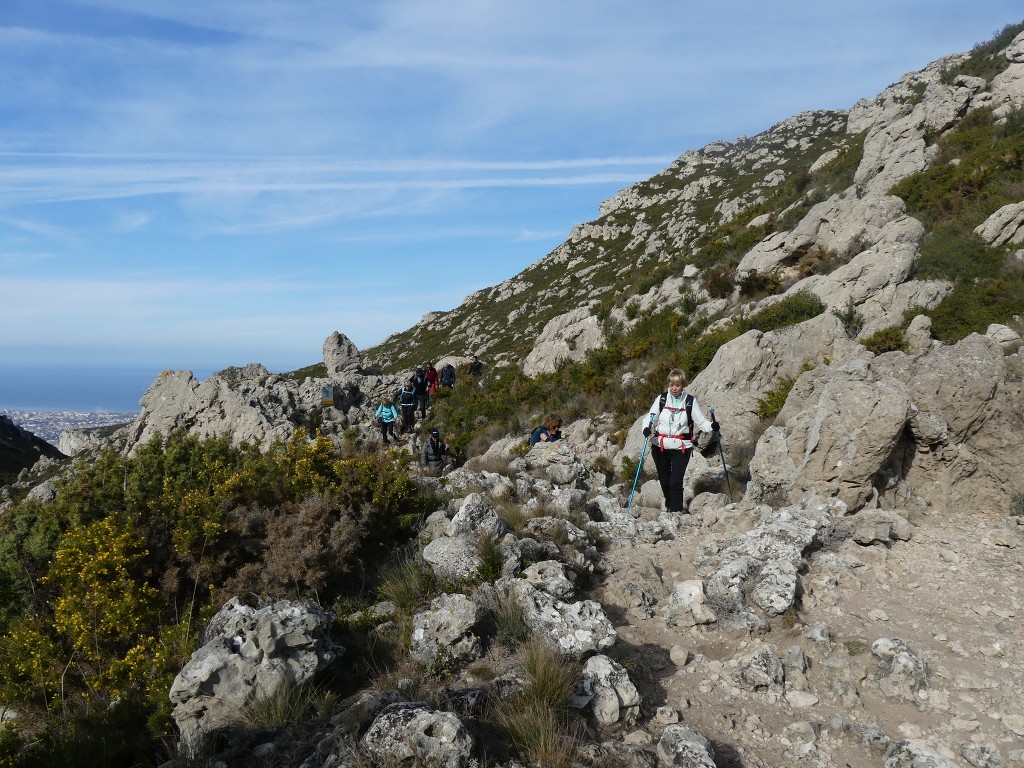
<point x="673" y="416"/>
<point x="387" y="415"/>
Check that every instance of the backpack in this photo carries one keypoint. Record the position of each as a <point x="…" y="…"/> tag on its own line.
<point x="688" y="404"/>
<point x="448" y="374"/>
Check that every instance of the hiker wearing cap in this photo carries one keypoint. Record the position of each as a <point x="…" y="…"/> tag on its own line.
<point x="434" y="451"/>
<point x="387" y="415"/>
<point x="549" y="431"/>
<point x="670" y="424"/>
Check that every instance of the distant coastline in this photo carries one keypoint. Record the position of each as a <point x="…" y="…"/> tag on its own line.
<point x="49" y="424"/>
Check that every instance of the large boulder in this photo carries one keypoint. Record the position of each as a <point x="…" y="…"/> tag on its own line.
<point x="249" y="654"/>
<point x="341" y="356"/>
<point x="841" y="424"/>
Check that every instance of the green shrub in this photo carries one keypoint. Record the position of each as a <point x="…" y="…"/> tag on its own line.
<point x="852" y="320"/>
<point x="891" y="339"/>
<point x="770" y="404"/>
<point x="755" y="283"/>
<point x="791" y="310"/>
<point x="1017" y="505"/>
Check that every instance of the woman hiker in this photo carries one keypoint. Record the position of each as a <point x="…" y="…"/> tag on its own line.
<point x="673" y="416"/>
<point x="387" y="415"/>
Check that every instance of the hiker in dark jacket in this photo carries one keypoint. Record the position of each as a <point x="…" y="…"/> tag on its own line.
<point x="448" y="375"/>
<point x="434" y="453"/>
<point x="419" y="383"/>
<point x="476" y="368"/>
<point x="670" y="427"/>
<point x="407" y="402"/>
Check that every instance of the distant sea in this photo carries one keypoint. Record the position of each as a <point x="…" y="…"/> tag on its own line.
<point x="73" y="388"/>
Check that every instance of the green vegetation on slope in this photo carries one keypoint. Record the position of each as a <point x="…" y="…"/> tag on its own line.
<point x="472" y="417"/>
<point x="979" y="168"/>
<point x="103" y="590"/>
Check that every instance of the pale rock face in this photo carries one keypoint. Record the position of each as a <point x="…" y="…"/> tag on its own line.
<point x="1008" y="90"/>
<point x="878" y="285"/>
<point x="575" y="629"/>
<point x="841" y="424"/>
<point x="341" y="356"/>
<point x="446" y="630"/>
<point x="250" y="654"/>
<point x="565" y="337"/>
<point x="682" y="747"/>
<point x="1004" y="226"/>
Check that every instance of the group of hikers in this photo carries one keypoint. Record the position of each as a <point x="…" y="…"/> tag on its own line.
<point x="417" y="393"/>
<point x="669" y="427"/>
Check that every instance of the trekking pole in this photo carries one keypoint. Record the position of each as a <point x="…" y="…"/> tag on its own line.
<point x="721" y="452"/>
<point x="639" y="468"/>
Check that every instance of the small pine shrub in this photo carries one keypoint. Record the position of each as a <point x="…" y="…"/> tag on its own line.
<point x="755" y="283"/>
<point x="1017" y="505"/>
<point x="852" y="320"/>
<point x="718" y="280"/>
<point x="770" y="404"/>
<point x="891" y="339"/>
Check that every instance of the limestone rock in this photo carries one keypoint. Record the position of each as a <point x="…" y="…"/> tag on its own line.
<point x="608" y="691"/>
<point x="446" y="630"/>
<point x="341" y="356"/>
<point x="249" y="654"/>
<point x="565" y="337"/>
<point x="688" y="606"/>
<point x="575" y="629"/>
<point x="411" y="732"/>
<point x="902" y="672"/>
<point x="914" y="753"/>
<point x="454" y="558"/>
<point x="1004" y="226"/>
<point x="552" y="577"/>
<point x="682" y="747"/>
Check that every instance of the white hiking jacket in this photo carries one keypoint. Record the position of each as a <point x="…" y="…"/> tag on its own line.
<point x="671" y="428"/>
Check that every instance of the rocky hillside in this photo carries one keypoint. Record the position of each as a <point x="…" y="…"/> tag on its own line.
<point x="737" y="219"/>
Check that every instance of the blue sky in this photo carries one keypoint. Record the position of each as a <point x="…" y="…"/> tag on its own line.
<point x="195" y="184"/>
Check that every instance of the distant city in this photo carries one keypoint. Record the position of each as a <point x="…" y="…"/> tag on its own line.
<point x="49" y="424"/>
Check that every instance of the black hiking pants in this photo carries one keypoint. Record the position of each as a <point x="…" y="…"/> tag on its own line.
<point x="408" y="416"/>
<point x="671" y="470"/>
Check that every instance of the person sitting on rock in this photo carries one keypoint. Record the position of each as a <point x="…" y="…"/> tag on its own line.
<point x="387" y="415"/>
<point x="434" y="453"/>
<point x="549" y="431"/>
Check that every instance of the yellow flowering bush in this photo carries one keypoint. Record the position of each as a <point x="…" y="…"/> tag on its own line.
<point x="103" y="608"/>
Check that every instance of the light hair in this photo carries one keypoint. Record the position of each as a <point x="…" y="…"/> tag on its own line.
<point x="676" y="376"/>
<point x="552" y="421"/>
